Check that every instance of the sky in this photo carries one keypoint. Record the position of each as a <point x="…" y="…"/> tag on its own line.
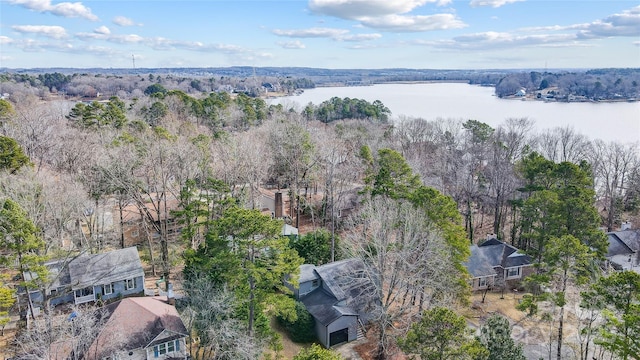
<point x="337" y="34"/>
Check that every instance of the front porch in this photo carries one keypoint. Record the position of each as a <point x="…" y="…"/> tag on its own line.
<point x="85" y="295"/>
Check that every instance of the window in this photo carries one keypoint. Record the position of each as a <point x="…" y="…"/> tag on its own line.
<point x="107" y="289"/>
<point x="314" y="283"/>
<point x="513" y="272"/>
<point x="162" y="349"/>
<point x="482" y="282"/>
<point x="129" y="284"/>
<point x="168" y="347"/>
<point x="84" y="292"/>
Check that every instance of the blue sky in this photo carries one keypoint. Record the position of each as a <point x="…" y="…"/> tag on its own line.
<point x="435" y="34"/>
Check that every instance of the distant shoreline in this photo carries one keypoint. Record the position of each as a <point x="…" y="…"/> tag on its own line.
<point x="407" y="82"/>
<point x="528" y="97"/>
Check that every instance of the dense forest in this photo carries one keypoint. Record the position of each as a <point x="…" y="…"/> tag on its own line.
<point x="199" y="152"/>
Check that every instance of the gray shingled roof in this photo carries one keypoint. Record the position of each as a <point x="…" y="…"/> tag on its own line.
<point x="478" y="264"/>
<point x="494" y="253"/>
<point x="307" y="273"/>
<point x="623" y="242"/>
<point x="345" y="290"/>
<point x="320" y="304"/>
<point x="88" y="270"/>
<point x="623" y="249"/>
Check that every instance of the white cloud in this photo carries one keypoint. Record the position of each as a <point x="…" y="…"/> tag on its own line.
<point x="5" y="40"/>
<point x="65" y="9"/>
<point x="355" y="9"/>
<point x="636" y="43"/>
<point x="498" y="40"/>
<point x="102" y="30"/>
<point x="124" y="21"/>
<point x="625" y="24"/>
<point x="311" y="33"/>
<point x="114" y="38"/>
<point x="291" y="44"/>
<point x="30" y="45"/>
<point x="554" y="28"/>
<point x="55" y="32"/>
<point x="359" y="37"/>
<point x="329" y="33"/>
<point x="388" y="15"/>
<point x="492" y="3"/>
<point x="402" y="23"/>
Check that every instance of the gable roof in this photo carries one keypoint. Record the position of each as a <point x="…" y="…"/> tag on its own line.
<point x="320" y="304"/>
<point x="88" y="270"/>
<point x="623" y="242"/>
<point x="135" y="323"/>
<point x="493" y="253"/>
<point x="624" y="249"/>
<point x="345" y="291"/>
<point x="345" y="279"/>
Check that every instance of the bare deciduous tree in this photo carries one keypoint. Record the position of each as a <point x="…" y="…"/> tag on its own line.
<point x="209" y="315"/>
<point x="613" y="164"/>
<point x="68" y="336"/>
<point x="409" y="264"/>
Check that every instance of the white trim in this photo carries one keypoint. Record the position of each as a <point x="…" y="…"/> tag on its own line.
<point x="516" y="276"/>
<point x="127" y="287"/>
<point x="104" y="289"/>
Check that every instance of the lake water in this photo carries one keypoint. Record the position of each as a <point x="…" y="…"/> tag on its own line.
<point x="618" y="121"/>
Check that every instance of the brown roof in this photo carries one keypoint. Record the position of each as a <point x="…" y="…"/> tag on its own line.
<point x="131" y="212"/>
<point x="134" y="323"/>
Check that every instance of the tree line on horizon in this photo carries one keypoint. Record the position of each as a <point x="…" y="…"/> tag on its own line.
<point x="596" y="84"/>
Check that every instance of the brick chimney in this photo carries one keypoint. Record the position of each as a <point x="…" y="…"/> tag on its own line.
<point x="279" y="206"/>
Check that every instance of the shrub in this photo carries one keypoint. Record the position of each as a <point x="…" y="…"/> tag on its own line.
<point x="300" y="330"/>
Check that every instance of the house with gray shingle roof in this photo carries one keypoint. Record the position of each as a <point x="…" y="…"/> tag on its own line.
<point x="339" y="297"/>
<point x="623" y="252"/>
<point x="495" y="262"/>
<point x="89" y="277"/>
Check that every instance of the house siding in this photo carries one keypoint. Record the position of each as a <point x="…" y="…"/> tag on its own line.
<point x="515" y="282"/>
<point x="137" y="354"/>
<point x="118" y="288"/>
<point x="62" y="297"/>
<point x="475" y="283"/>
<point x="345" y="321"/>
<point x="68" y="296"/>
<point x="306" y="287"/>
<point x="182" y="353"/>
<point x="323" y="335"/>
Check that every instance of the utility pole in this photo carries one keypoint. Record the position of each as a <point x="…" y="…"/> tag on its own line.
<point x="133" y="58"/>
